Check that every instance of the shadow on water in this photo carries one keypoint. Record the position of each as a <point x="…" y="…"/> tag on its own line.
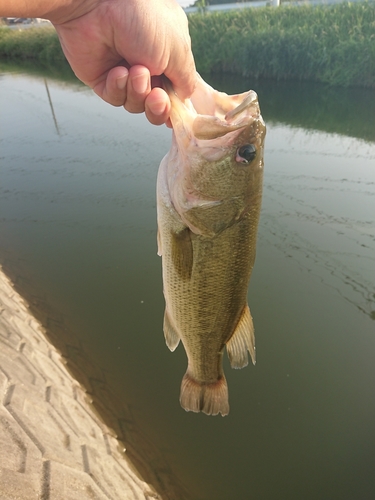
<point x="78" y="237"/>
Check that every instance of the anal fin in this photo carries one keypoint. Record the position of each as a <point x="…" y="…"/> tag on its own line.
<point x="241" y="341"/>
<point x="172" y="338"/>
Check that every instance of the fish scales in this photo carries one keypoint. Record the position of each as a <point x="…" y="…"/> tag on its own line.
<point x="208" y="199"/>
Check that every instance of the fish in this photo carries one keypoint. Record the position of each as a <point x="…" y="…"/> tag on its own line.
<point x="209" y="192"/>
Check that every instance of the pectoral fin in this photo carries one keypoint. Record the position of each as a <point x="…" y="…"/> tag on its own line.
<point x="182" y="253"/>
<point x="171" y="336"/>
<point x="241" y="341"/>
<point x="214" y="217"/>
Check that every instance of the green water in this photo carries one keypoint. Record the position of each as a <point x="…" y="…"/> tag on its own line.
<point x="78" y="227"/>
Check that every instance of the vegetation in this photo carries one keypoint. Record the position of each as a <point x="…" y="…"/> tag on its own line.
<point x="32" y="44"/>
<point x="332" y="44"/>
<point x="198" y="3"/>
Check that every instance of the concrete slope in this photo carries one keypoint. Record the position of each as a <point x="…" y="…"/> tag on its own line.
<point x="52" y="445"/>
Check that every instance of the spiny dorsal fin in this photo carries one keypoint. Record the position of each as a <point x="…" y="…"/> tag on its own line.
<point x="241" y="341"/>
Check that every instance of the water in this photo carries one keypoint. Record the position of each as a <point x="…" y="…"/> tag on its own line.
<point x="78" y="228"/>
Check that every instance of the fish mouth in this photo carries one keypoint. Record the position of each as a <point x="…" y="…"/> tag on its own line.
<point x="209" y="127"/>
<point x="249" y="106"/>
<point x="211" y="116"/>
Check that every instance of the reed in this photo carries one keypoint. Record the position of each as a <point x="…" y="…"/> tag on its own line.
<point x="331" y="44"/>
<point x="33" y="44"/>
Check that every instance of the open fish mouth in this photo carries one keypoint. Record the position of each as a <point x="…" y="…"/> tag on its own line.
<point x="208" y="115"/>
<point x="249" y="107"/>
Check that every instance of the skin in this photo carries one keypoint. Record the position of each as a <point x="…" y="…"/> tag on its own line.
<point x="120" y="48"/>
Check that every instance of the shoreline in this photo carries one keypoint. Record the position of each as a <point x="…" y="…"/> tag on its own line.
<point x="59" y="436"/>
<point x="330" y="44"/>
<point x="53" y="443"/>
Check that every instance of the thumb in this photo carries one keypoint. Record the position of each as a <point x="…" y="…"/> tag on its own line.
<point x="182" y="73"/>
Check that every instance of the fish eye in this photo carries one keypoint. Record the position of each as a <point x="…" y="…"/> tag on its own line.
<point x="246" y="153"/>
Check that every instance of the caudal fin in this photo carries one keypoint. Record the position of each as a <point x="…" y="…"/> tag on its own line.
<point x="211" y="399"/>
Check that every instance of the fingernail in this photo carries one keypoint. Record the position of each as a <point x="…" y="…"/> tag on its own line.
<point x="158" y="108"/>
<point x="140" y="84"/>
<point x="121" y="82"/>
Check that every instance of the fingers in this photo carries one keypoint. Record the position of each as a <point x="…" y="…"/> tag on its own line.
<point x="157" y="106"/>
<point x="138" y="88"/>
<point x="132" y="89"/>
<point x="141" y="97"/>
<point x="112" y="89"/>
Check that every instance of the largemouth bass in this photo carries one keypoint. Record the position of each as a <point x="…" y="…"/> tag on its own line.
<point x="209" y="192"/>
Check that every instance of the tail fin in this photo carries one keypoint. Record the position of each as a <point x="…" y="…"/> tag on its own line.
<point x="211" y="399"/>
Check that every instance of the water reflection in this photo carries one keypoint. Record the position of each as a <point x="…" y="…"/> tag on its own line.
<point x="321" y="197"/>
<point x="346" y="111"/>
<point x="77" y="211"/>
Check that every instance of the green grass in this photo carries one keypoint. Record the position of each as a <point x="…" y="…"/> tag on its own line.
<point x="331" y="44"/>
<point x="33" y="44"/>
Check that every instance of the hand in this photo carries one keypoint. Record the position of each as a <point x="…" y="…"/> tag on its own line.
<point x="121" y="47"/>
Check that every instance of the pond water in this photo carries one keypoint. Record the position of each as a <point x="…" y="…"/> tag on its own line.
<point x="78" y="216"/>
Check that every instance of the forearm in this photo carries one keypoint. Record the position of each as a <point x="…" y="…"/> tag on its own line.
<point x="55" y="10"/>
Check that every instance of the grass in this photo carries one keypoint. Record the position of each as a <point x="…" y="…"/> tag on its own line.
<point x="33" y="44"/>
<point x="330" y="44"/>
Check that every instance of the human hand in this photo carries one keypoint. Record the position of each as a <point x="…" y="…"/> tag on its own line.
<point x="121" y="47"/>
